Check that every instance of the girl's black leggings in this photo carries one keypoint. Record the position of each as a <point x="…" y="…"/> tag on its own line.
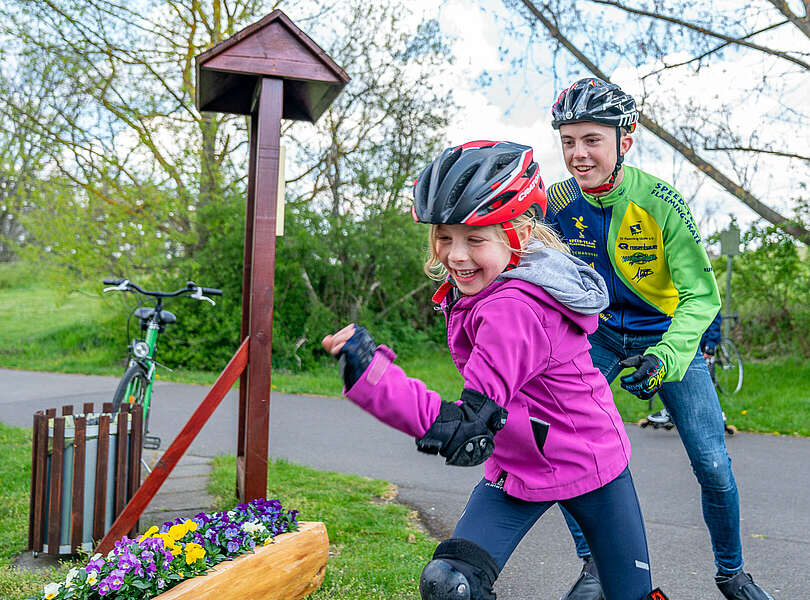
<point x="610" y="518"/>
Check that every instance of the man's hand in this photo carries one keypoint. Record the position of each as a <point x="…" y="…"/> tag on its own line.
<point x="648" y="377"/>
<point x="354" y="347"/>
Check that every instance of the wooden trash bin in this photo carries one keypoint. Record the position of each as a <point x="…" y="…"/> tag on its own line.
<point x="84" y="469"/>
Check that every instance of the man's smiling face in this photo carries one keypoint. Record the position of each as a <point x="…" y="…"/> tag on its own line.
<point x="589" y="150"/>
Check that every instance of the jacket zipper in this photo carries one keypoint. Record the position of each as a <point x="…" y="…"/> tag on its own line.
<point x="610" y="264"/>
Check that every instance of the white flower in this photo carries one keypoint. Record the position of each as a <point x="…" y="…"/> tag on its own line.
<point x="96" y="556"/>
<point x="51" y="590"/>
<point x="71" y="574"/>
<point x="253" y="528"/>
<point x="92" y="578"/>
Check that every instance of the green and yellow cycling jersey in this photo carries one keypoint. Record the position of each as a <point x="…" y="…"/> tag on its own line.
<point x="642" y="239"/>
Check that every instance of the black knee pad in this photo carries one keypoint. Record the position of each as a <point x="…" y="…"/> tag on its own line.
<point x="460" y="570"/>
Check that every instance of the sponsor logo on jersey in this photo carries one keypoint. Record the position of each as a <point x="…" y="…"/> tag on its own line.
<point x="626" y="246"/>
<point x="642" y="273"/>
<point x="635" y="228"/>
<point x="638" y="258"/>
<point x="581" y="227"/>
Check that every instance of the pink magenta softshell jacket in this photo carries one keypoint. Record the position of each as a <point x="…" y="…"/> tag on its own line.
<point x="519" y="345"/>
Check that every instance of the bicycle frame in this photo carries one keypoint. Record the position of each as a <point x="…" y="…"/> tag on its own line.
<point x="147" y="362"/>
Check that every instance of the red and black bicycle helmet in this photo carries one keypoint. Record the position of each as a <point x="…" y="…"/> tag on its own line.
<point x="480" y="183"/>
<point x="591" y="99"/>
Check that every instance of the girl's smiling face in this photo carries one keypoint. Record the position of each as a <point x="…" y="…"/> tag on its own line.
<point x="474" y="256"/>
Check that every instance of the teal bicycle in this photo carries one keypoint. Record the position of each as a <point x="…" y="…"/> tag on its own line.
<point x="135" y="386"/>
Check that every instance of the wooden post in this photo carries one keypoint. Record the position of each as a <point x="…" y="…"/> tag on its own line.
<point x="270" y="70"/>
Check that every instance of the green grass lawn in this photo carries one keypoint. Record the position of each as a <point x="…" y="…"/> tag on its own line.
<point x="377" y="547"/>
<point x="81" y="332"/>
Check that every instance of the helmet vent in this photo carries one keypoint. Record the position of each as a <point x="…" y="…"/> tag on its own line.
<point x="461" y="183"/>
<point x="496" y="203"/>
<point x="501" y="162"/>
<point x="448" y="164"/>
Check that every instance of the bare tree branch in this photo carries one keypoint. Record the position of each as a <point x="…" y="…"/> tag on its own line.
<point x="686" y="151"/>
<point x="704" y="31"/>
<point x="802" y="23"/>
<point x="758" y="151"/>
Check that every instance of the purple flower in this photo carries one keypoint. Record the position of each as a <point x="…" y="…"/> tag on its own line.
<point x="103" y="588"/>
<point x="233" y="546"/>
<point x="115" y="579"/>
<point x="128" y="561"/>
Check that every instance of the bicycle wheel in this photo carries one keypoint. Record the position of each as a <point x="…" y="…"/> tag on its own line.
<point x="131" y="389"/>
<point x="728" y="367"/>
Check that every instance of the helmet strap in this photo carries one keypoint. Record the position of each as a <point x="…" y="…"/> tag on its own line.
<point x="607" y="186"/>
<point x="514" y="244"/>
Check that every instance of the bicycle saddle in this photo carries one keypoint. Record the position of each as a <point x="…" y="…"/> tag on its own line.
<point x="145" y="313"/>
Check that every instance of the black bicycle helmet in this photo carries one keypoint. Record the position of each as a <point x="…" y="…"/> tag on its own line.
<point x="480" y="183"/>
<point x="591" y="99"/>
<point x="594" y="100"/>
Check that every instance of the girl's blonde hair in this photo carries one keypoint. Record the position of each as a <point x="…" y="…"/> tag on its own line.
<point x="541" y="233"/>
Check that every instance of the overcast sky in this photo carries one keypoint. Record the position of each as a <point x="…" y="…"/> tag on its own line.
<point x="521" y="113"/>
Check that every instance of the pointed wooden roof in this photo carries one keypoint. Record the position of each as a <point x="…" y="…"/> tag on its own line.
<point x="227" y="74"/>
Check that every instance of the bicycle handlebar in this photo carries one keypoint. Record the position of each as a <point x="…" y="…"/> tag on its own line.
<point x="192" y="288"/>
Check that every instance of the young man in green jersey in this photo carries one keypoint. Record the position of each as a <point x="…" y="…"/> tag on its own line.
<point x="638" y="233"/>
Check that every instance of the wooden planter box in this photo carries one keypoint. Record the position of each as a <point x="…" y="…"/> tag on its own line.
<point x="290" y="568"/>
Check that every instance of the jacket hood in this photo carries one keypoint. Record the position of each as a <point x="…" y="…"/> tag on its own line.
<point x="566" y="278"/>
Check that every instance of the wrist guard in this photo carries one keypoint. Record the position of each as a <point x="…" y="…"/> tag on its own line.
<point x="648" y="377"/>
<point x="355" y="356"/>
<point x="464" y="433"/>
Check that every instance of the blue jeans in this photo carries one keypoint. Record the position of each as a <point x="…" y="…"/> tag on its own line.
<point x="694" y="408"/>
<point x="497" y="522"/>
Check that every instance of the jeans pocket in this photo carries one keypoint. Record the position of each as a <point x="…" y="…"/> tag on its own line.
<point x="540" y="432"/>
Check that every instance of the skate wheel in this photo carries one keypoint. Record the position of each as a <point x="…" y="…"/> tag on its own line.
<point x="669" y="426"/>
<point x="643" y="423"/>
<point x="731" y="430"/>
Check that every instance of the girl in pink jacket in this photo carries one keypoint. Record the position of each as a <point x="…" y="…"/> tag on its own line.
<point x="534" y="409"/>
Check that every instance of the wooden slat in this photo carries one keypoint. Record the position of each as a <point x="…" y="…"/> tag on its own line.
<point x="107" y="407"/>
<point x="55" y="493"/>
<point x="77" y="501"/>
<point x="87" y="407"/>
<point x="176" y="449"/>
<point x="67" y="409"/>
<point x="121" y="462"/>
<point x="38" y="478"/>
<point x="102" y="456"/>
<point x="51" y="413"/>
<point x="134" y="464"/>
<point x="290" y="568"/>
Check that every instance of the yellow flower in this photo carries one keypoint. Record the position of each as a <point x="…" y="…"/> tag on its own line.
<point x="191" y="525"/>
<point x="149" y="533"/>
<point x="194" y="552"/>
<point x="178" y="531"/>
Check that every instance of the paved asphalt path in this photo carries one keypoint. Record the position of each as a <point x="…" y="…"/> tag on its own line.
<point x="332" y="434"/>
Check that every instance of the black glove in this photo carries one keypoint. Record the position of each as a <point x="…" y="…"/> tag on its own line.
<point x="355" y="356"/>
<point x="647" y="378"/>
<point x="709" y="349"/>
<point x="464" y="433"/>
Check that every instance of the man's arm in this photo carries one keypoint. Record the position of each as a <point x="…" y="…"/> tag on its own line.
<point x="698" y="296"/>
